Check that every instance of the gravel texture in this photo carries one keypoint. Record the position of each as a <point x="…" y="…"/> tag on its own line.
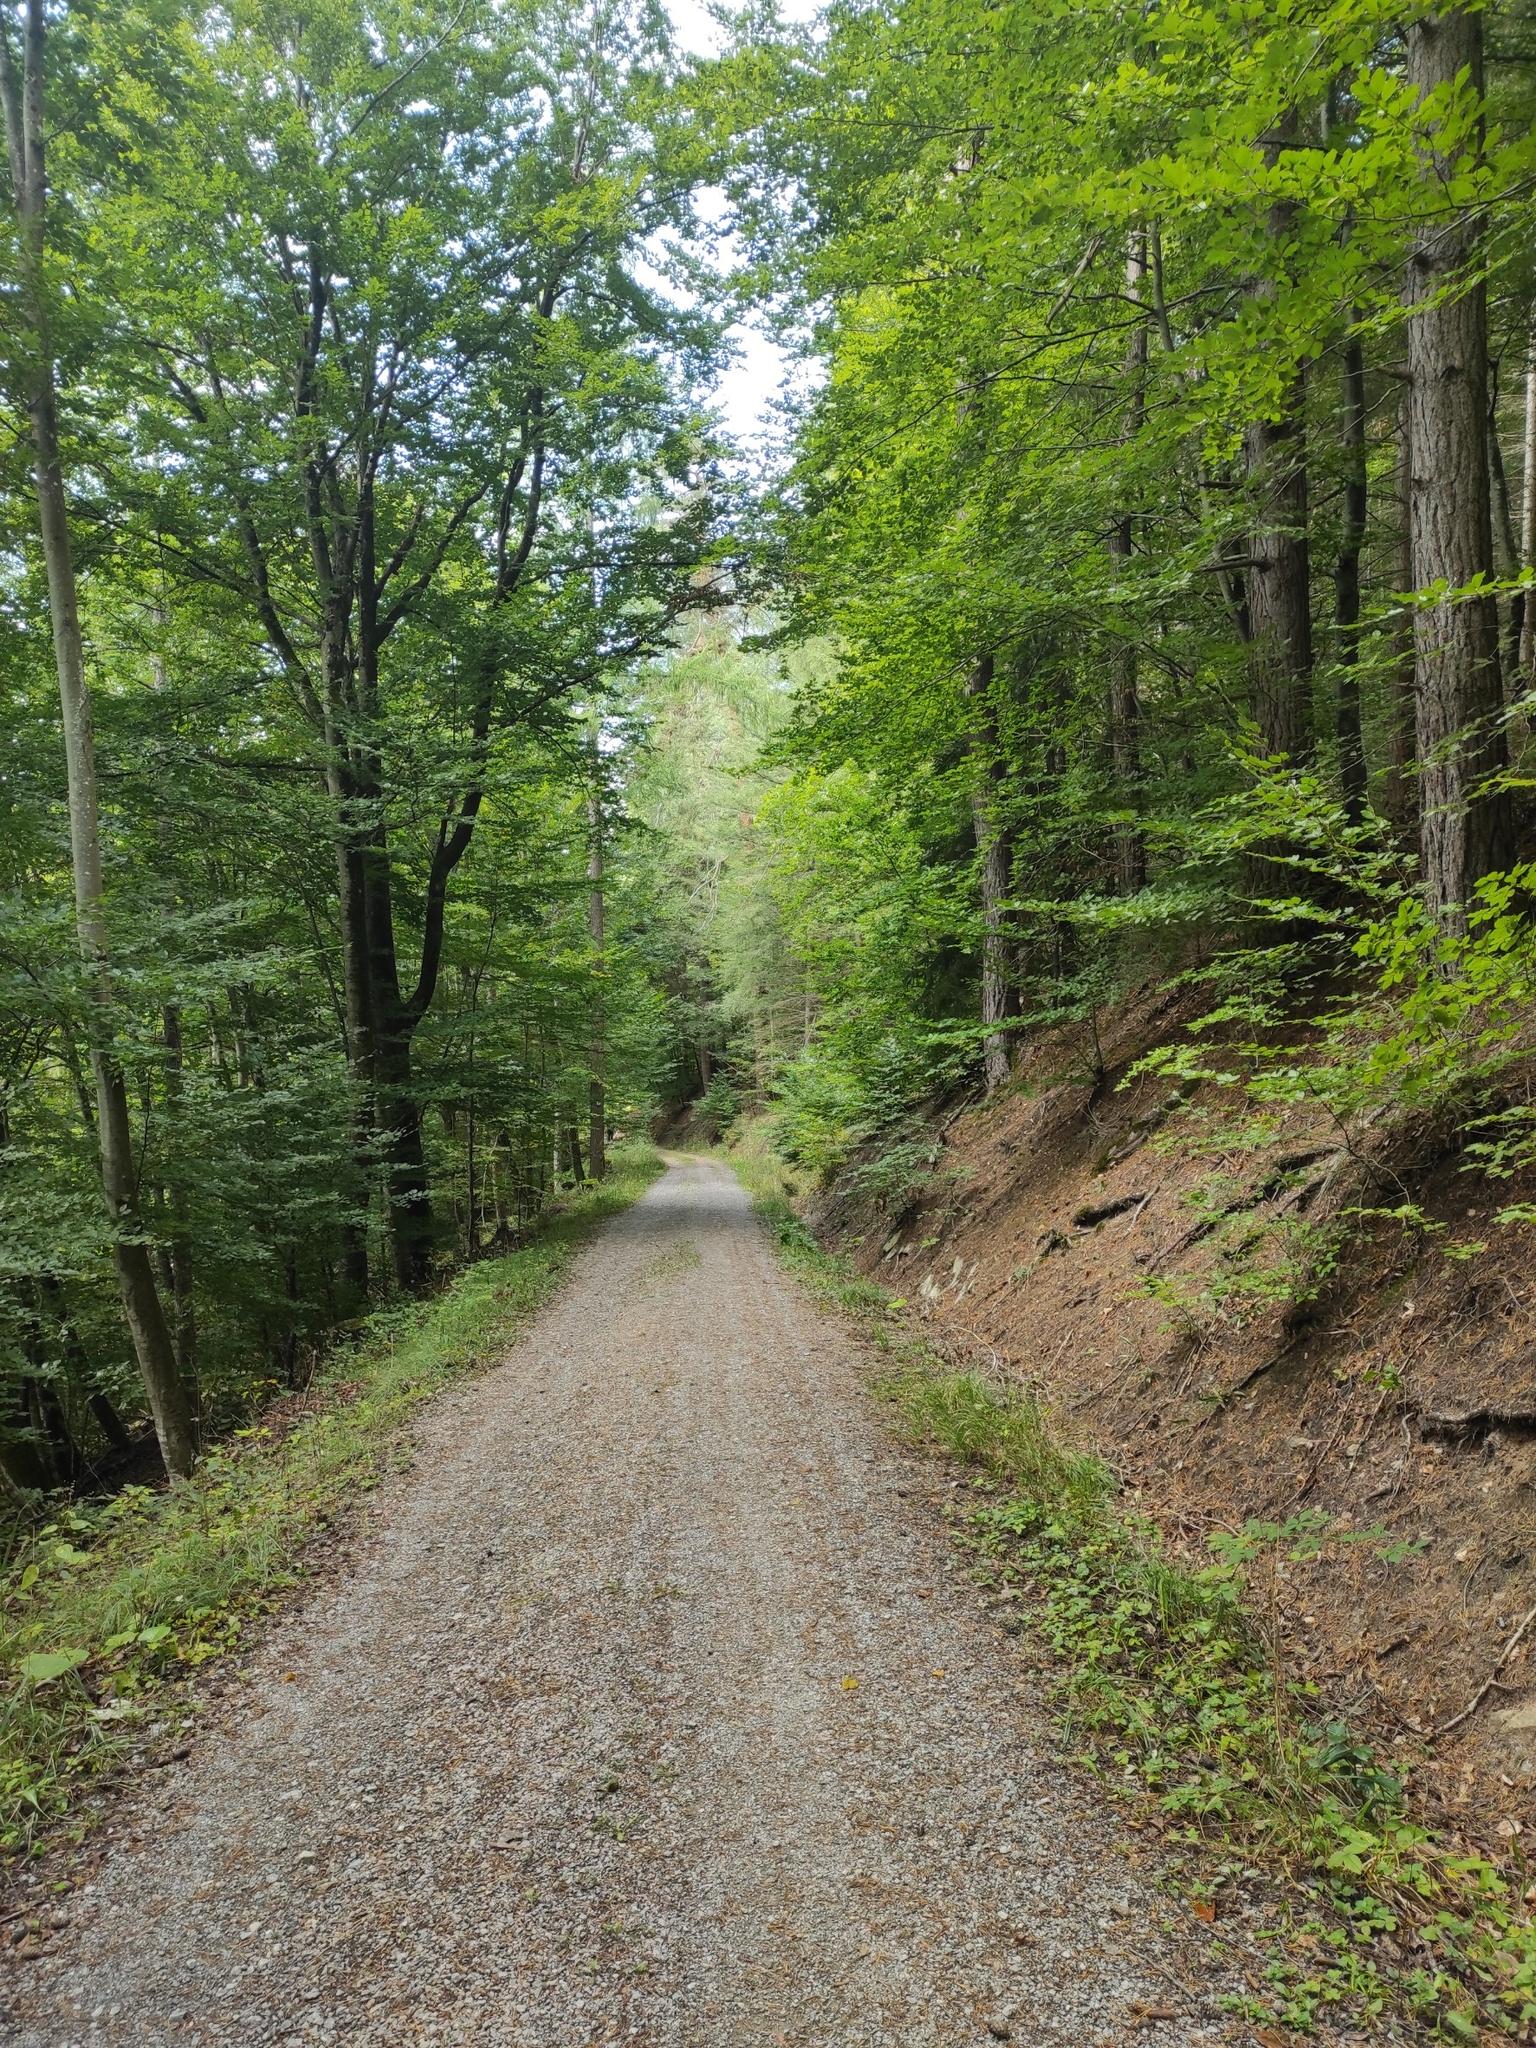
<point x="655" y="1707"/>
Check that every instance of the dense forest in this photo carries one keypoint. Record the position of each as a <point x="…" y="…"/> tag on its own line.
<point x="930" y="604"/>
<point x="432" y="749"/>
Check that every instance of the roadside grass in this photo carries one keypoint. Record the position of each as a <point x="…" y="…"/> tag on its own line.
<point x="1171" y="1687"/>
<point x="108" y="1605"/>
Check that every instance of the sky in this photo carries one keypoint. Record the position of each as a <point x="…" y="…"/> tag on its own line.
<point x="748" y="389"/>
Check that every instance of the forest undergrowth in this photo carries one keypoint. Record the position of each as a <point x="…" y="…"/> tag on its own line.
<point x="1173" y="1687"/>
<point x="109" y="1606"/>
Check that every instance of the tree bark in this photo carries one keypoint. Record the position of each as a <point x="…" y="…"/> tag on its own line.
<point x="1465" y="830"/>
<point x="1124" y="700"/>
<point x="994" y="847"/>
<point x="1346" y="580"/>
<point x="357" y="996"/>
<point x="1527" y="667"/>
<point x="1506" y="544"/>
<point x="1278" y="583"/>
<point x="1402" y="789"/>
<point x="22" y="103"/>
<point x="597" y="1097"/>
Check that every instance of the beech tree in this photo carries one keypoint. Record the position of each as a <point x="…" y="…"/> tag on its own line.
<point x="1464" y="830"/>
<point x="363" y="398"/>
<point x="25" y="104"/>
<point x="412" y="360"/>
<point x="1230" y="499"/>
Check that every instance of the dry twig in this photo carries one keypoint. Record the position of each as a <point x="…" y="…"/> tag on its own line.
<point x="1488" y="1683"/>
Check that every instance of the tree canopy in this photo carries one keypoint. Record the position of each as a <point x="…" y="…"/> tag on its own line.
<point x="426" y="754"/>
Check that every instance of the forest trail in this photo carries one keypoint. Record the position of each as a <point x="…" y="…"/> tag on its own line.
<point x="654" y="1707"/>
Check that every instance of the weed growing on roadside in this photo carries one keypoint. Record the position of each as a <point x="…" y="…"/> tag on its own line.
<point x="1170" y="1680"/>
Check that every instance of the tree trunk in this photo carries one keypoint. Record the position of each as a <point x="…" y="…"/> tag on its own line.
<point x="597" y="1102"/>
<point x="1527" y="669"/>
<point x="183" y="1299"/>
<point x="1402" y="794"/>
<point x="153" y="1348"/>
<point x="358" y="999"/>
<point x="381" y="1025"/>
<point x="108" y="1421"/>
<point x="994" y="847"/>
<point x="1506" y="545"/>
<point x="1346" y="580"/>
<point x="1124" y="701"/>
<point x="1458" y="691"/>
<point x="1279" y="603"/>
<point x="1278" y="585"/>
<point x="471" y="1121"/>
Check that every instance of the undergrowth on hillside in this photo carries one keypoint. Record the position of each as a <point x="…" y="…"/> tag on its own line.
<point x="110" y="1602"/>
<point x="1171" y="1684"/>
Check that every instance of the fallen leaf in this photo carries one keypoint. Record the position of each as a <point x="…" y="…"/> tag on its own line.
<point x="850" y="1685"/>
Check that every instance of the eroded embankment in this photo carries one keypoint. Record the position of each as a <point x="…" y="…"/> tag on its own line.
<point x="1211" y="1315"/>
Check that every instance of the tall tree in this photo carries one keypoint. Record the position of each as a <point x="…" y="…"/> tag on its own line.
<point x="1278" y="592"/>
<point x="23" y="100"/>
<point x="1124" y="705"/>
<point x="1346" y="580"/>
<point x="994" y="854"/>
<point x="450" y="342"/>
<point x="1464" y="830"/>
<point x="597" y="1089"/>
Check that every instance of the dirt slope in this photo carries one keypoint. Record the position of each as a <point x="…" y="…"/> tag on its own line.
<point x="1068" y="1231"/>
<point x="656" y="1708"/>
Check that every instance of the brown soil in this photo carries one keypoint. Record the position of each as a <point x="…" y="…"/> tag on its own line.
<point x="1086" y="1237"/>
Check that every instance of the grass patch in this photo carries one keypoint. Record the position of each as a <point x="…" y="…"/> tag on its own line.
<point x="109" y="1604"/>
<point x="668" y="1266"/>
<point x="777" y="1188"/>
<point x="1172" y="1687"/>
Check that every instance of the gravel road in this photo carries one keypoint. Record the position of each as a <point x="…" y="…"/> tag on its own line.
<point x="653" y="1707"/>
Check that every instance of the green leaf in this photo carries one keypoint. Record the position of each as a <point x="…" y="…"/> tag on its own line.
<point x="42" y="1667"/>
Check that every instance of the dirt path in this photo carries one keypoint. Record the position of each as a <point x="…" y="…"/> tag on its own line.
<point x="651" y="1711"/>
